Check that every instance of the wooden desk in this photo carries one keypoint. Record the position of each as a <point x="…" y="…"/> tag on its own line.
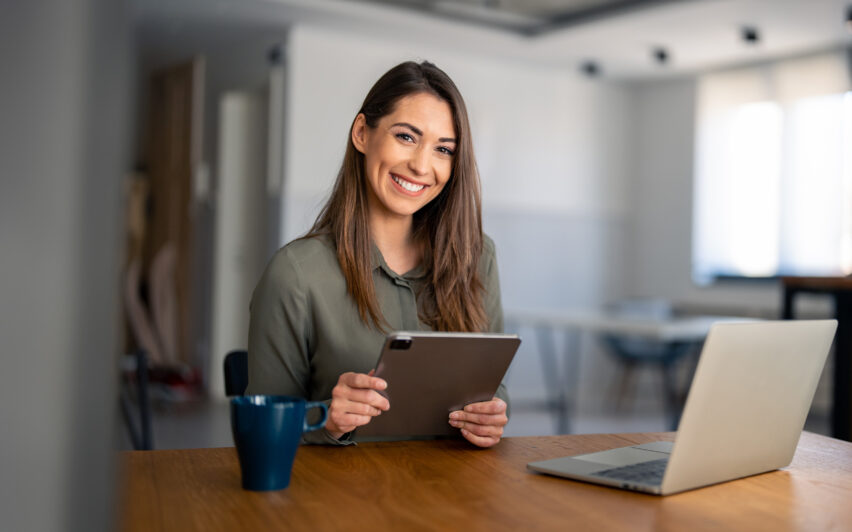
<point x="449" y="485"/>
<point x="840" y="289"/>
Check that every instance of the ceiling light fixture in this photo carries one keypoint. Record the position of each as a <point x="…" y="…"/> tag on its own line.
<point x="275" y="55"/>
<point x="849" y="18"/>
<point x="591" y="69"/>
<point x="661" y="55"/>
<point x="750" y="35"/>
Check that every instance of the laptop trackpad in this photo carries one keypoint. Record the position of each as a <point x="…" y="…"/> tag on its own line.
<point x="659" y="446"/>
<point x="620" y="457"/>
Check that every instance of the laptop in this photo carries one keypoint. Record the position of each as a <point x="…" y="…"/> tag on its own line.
<point x="746" y="409"/>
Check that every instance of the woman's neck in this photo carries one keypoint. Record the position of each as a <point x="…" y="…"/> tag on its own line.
<point x="394" y="237"/>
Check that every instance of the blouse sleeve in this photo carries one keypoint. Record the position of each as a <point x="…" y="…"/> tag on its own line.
<point x="279" y="330"/>
<point x="493" y="305"/>
<point x="280" y="337"/>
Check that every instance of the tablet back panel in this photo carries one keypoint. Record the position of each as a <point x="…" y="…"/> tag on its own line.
<point x="432" y="374"/>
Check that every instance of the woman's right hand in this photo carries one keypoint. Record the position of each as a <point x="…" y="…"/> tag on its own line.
<point x="354" y="402"/>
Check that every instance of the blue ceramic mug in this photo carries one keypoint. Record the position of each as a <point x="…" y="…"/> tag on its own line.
<point x="267" y="430"/>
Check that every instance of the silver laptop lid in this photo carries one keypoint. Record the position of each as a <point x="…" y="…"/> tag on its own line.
<point x="748" y="401"/>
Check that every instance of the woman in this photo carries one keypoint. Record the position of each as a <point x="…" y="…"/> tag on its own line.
<point x="398" y="246"/>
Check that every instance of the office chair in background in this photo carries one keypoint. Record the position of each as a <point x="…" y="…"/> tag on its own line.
<point x="236" y="372"/>
<point x="632" y="352"/>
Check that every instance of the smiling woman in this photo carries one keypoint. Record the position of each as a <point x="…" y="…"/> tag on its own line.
<point x="398" y="246"/>
<point x="406" y="159"/>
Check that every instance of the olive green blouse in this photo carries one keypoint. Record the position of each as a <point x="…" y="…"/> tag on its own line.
<point x="305" y="330"/>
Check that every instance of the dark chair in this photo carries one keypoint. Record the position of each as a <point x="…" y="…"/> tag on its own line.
<point x="141" y="435"/>
<point x="632" y="351"/>
<point x="236" y="372"/>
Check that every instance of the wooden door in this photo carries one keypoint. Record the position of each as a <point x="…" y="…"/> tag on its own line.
<point x="175" y="131"/>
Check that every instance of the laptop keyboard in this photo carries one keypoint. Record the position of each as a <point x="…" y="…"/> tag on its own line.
<point x="643" y="472"/>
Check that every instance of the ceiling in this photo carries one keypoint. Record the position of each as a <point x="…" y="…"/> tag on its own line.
<point x="525" y="17"/>
<point x="620" y="36"/>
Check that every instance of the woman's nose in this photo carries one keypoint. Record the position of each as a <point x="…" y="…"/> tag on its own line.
<point x="419" y="162"/>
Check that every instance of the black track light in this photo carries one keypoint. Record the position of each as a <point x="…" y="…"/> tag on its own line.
<point x="849" y="18"/>
<point x="275" y="55"/>
<point x="661" y="55"/>
<point x="590" y="68"/>
<point x="750" y="35"/>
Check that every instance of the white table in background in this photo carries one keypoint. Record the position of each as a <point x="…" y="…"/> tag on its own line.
<point x="573" y="322"/>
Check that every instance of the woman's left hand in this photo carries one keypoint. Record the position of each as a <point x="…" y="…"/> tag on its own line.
<point x="481" y="423"/>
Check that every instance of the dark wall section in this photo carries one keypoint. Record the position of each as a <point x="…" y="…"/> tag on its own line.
<point x="63" y="156"/>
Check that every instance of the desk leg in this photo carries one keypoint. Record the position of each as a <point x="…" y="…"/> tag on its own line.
<point x="841" y="414"/>
<point x="555" y="393"/>
<point x="671" y="395"/>
<point x="570" y="377"/>
<point x="787" y="310"/>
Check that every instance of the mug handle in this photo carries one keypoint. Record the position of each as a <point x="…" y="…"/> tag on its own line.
<point x="319" y="424"/>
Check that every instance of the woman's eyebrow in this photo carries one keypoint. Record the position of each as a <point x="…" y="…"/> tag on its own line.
<point x="420" y="133"/>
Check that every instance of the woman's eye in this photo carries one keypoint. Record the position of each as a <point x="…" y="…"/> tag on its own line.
<point x="405" y="136"/>
<point x="445" y="150"/>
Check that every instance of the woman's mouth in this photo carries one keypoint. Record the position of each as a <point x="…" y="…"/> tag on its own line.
<point x="408" y="186"/>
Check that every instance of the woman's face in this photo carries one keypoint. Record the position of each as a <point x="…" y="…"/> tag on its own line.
<point x="408" y="156"/>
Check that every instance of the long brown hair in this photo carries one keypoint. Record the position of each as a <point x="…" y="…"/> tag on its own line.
<point x="449" y="228"/>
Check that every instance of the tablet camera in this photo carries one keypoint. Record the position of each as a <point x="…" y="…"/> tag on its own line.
<point x="400" y="344"/>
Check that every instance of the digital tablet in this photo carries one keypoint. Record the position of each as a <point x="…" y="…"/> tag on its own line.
<point x="431" y="374"/>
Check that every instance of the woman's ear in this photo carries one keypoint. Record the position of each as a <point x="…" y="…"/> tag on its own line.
<point x="359" y="133"/>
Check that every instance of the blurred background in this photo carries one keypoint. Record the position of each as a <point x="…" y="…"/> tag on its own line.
<point x="659" y="160"/>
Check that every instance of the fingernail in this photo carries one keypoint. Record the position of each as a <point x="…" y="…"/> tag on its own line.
<point x="454" y="415"/>
<point x="455" y="423"/>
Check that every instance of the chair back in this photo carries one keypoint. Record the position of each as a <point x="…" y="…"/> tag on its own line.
<point x="236" y="372"/>
<point x="136" y="387"/>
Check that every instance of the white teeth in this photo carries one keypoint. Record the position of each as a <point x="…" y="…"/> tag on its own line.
<point x="411" y="187"/>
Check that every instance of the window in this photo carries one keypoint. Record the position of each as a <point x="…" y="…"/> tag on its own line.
<point x="773" y="171"/>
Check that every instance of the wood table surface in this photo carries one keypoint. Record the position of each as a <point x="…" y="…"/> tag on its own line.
<point x="449" y="485"/>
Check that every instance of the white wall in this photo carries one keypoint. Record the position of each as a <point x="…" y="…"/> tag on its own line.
<point x="240" y="224"/>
